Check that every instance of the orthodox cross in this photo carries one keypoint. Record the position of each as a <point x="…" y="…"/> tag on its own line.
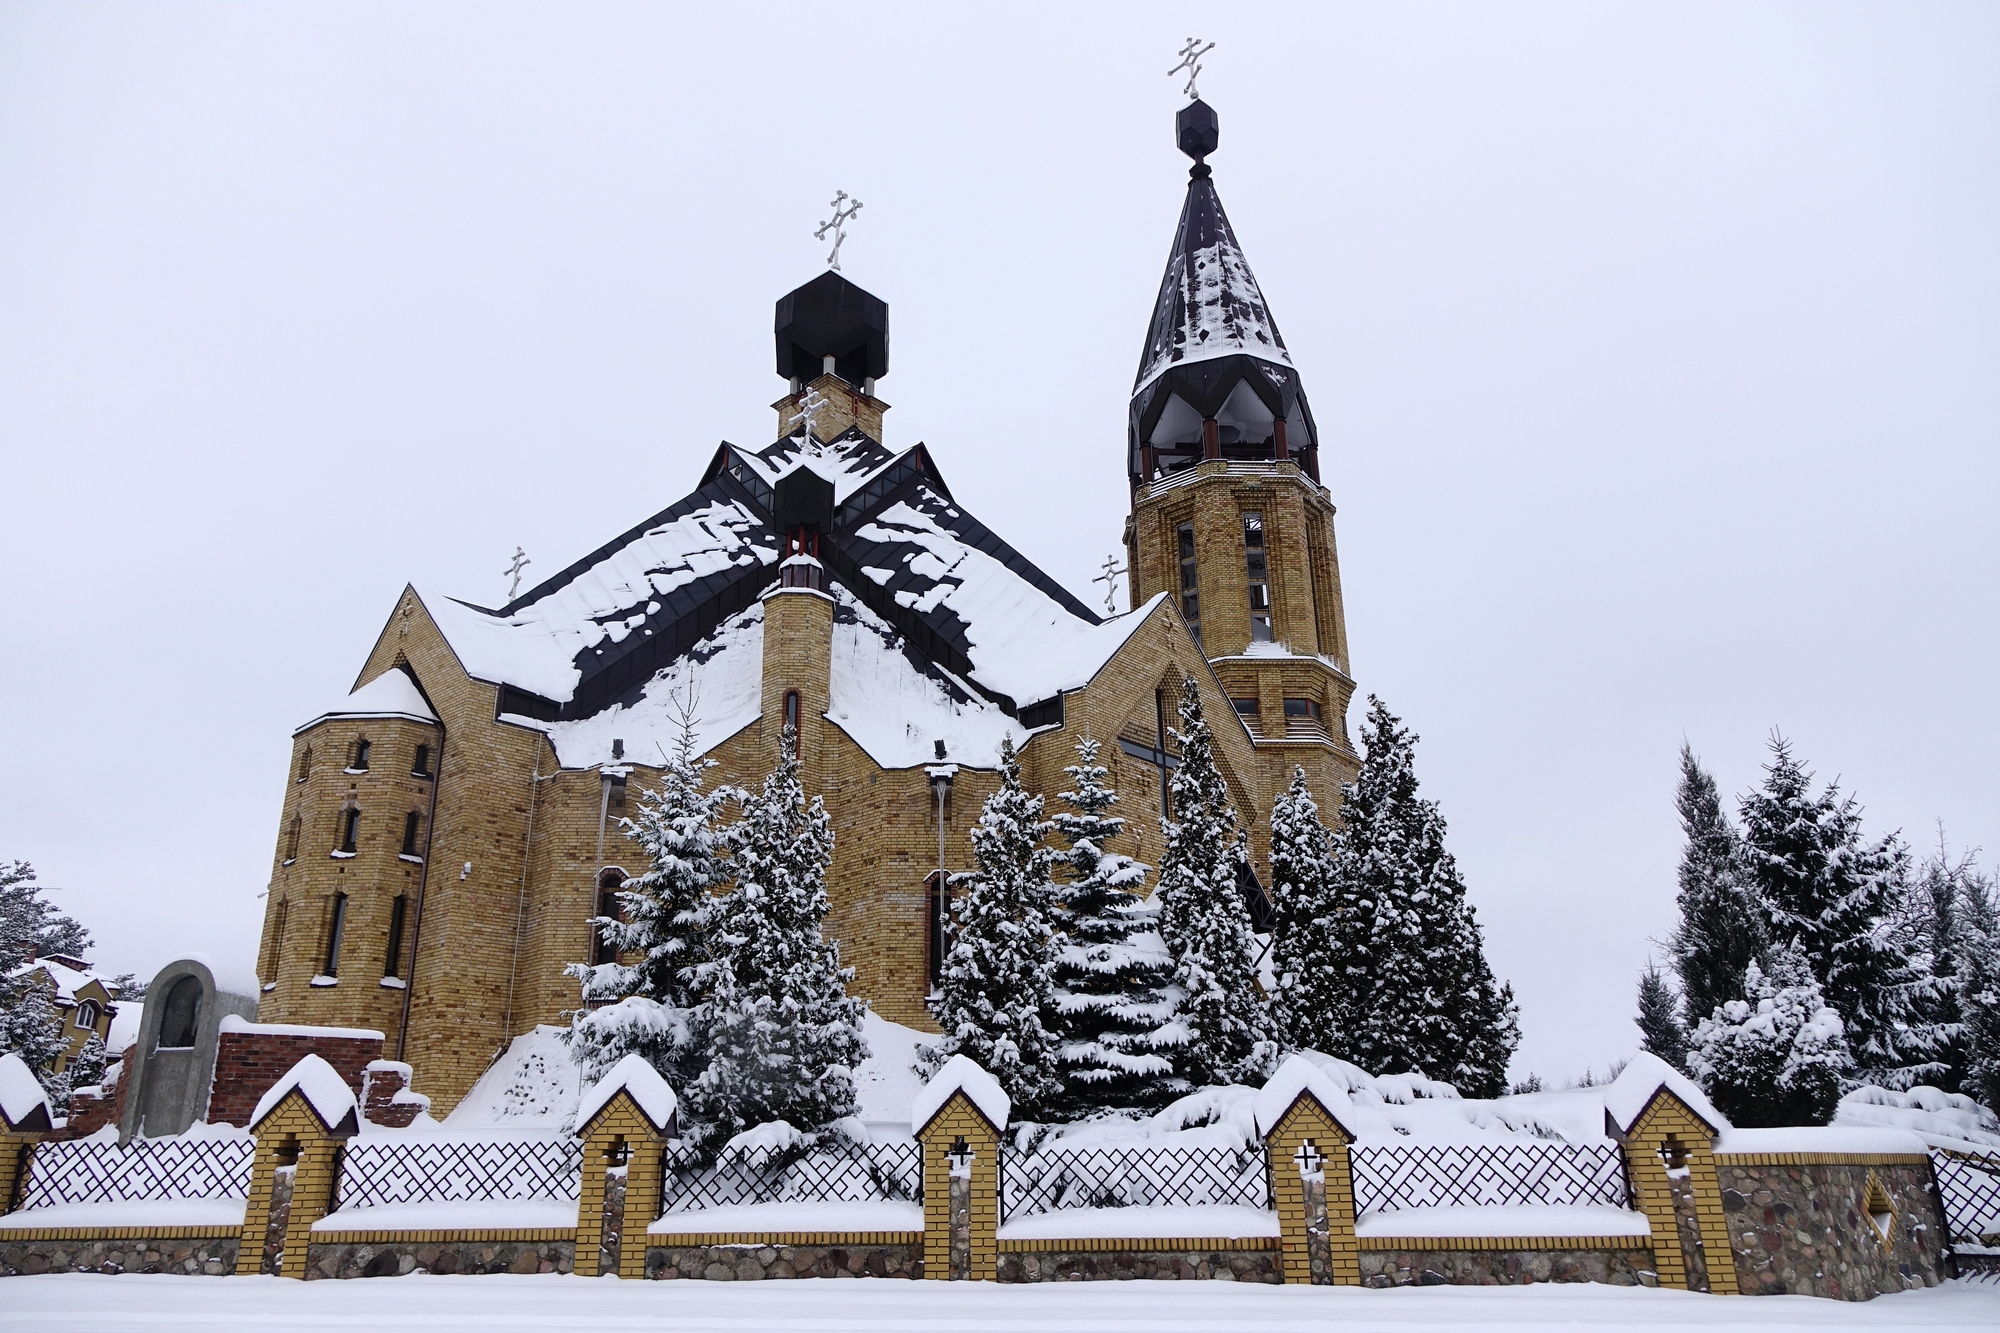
<point x="1191" y="55"/>
<point x="1109" y="578"/>
<point x="1308" y="1157"/>
<point x="810" y="406"/>
<point x="515" y="568"/>
<point x="843" y="211"/>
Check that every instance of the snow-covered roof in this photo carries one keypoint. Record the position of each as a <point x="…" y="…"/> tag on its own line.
<point x="1295" y="1077"/>
<point x="1628" y="1095"/>
<point x="961" y="1074"/>
<point x="631" y="1075"/>
<point x="1209" y="304"/>
<point x="67" y="977"/>
<point x="322" y="1087"/>
<point x="238" y="1023"/>
<point x="23" y="1103"/>
<point x="1820" y="1138"/>
<point x="391" y="694"/>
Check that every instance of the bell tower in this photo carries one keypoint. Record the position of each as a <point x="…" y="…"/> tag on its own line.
<point x="1229" y="513"/>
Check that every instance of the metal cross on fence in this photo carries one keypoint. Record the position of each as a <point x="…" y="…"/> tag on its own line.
<point x="1308" y="1157"/>
<point x="810" y="407"/>
<point x="1191" y="55"/>
<point x="1109" y="578"/>
<point x="520" y="562"/>
<point x="843" y="212"/>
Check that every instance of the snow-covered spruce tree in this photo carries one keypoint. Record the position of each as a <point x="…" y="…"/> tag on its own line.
<point x="1979" y="991"/>
<point x="996" y="991"/>
<point x="1421" y="996"/>
<point x="1777" y="1056"/>
<point x="30" y="926"/>
<point x="1660" y="1030"/>
<point x="1109" y="1006"/>
<point x="31" y="1027"/>
<point x="86" y="1068"/>
<point x="783" y="1037"/>
<point x="1721" y="928"/>
<point x="1941" y="898"/>
<point x="1306" y="956"/>
<point x="1230" y="1036"/>
<point x="1822" y="888"/>
<point x="662" y="915"/>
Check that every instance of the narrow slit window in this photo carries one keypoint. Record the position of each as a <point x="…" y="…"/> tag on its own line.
<point x="350" y="830"/>
<point x="278" y="941"/>
<point x="1257" y="570"/>
<point x="305" y="762"/>
<point x="361" y="749"/>
<point x="420" y="767"/>
<point x="792" y="710"/>
<point x="1190" y="585"/>
<point x="608" y="884"/>
<point x="292" y="841"/>
<point x="412" y="824"/>
<point x="398" y="909"/>
<point x="335" y="927"/>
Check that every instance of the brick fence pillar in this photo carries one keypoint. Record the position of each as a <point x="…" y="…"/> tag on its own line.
<point x="958" y="1119"/>
<point x="1311" y="1174"/>
<point x="301" y="1123"/>
<point x="25" y="1120"/>
<point x="1667" y="1129"/>
<point x="625" y="1120"/>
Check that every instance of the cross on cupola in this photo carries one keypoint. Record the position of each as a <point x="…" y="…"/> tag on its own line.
<point x="1191" y="55"/>
<point x="844" y="210"/>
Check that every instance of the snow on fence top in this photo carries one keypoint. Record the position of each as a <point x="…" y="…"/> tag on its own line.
<point x="1295" y="1077"/>
<point x="1640" y="1081"/>
<point x="961" y="1074"/>
<point x="22" y="1100"/>
<point x="321" y="1085"/>
<point x="238" y="1023"/>
<point x="1820" y="1138"/>
<point x="641" y="1081"/>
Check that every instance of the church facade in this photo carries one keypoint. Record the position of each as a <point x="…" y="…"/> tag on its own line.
<point x="452" y="825"/>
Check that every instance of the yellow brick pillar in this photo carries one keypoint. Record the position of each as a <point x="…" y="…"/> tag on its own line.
<point x="958" y="1120"/>
<point x="1664" y="1125"/>
<point x="1311" y="1174"/>
<point x="625" y="1119"/>
<point x="301" y="1123"/>
<point x="24" y="1118"/>
<point x="798" y="663"/>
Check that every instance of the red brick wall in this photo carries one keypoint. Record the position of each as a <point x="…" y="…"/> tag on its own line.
<point x="248" y="1063"/>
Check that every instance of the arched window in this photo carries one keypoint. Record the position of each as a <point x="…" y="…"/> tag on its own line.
<point x="336" y="926"/>
<point x="399" y="909"/>
<point x="86" y="1015"/>
<point x="305" y="762"/>
<point x="361" y="749"/>
<point x="609" y="881"/>
<point x="412" y="825"/>
<point x="182" y="1015"/>
<point x="350" y="829"/>
<point x="420" y="767"/>
<point x="792" y="710"/>
<point x="292" y="841"/>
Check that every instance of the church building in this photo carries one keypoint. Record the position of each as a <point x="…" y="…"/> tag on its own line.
<point x="450" y="827"/>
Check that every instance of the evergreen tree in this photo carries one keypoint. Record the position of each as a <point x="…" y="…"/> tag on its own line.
<point x="30" y="927"/>
<point x="996" y="995"/>
<point x="86" y="1068"/>
<point x="1837" y="898"/>
<point x="1313" y="986"/>
<point x="662" y="918"/>
<point x="783" y="1036"/>
<point x="1979" y="991"/>
<point x="31" y="1025"/>
<point x="1420" y="994"/>
<point x="1109" y="970"/>
<point x="1721" y="929"/>
<point x="1659" y="1022"/>
<point x="1229" y="1035"/>
<point x="1777" y="1056"/>
<point x="1941" y="905"/>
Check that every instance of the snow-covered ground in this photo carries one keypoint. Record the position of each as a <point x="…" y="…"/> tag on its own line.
<point x="136" y="1304"/>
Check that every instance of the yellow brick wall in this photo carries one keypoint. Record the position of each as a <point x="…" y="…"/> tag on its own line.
<point x="958" y="1116"/>
<point x="1307" y="1119"/>
<point x="318" y="1166"/>
<point x="1669" y="1117"/>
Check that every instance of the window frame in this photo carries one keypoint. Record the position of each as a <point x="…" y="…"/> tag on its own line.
<point x="336" y="930"/>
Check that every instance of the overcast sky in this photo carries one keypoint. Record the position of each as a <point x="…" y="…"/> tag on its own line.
<point x="1653" y="349"/>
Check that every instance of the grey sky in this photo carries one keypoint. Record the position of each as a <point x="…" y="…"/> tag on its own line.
<point x="1654" y="348"/>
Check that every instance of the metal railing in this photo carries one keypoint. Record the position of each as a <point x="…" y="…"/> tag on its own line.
<point x="1398" y="1176"/>
<point x="376" y="1172"/>
<point x="95" y="1171"/>
<point x="1050" y="1179"/>
<point x="1969" y="1188"/>
<point x="834" y="1172"/>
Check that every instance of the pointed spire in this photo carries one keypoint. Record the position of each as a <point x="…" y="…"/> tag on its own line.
<point x="1215" y="378"/>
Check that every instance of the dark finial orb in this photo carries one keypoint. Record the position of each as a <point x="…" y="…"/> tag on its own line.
<point x="1197" y="129"/>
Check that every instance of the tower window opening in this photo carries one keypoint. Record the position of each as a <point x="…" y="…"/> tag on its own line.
<point x="412" y="824"/>
<point x="350" y="830"/>
<point x="305" y="762"/>
<point x="420" y="767"/>
<point x="335" y="927"/>
<point x="292" y="841"/>
<point x="399" y="908"/>
<point x="792" y="712"/>
<point x="937" y="910"/>
<point x="609" y="882"/>
<point x="361" y="749"/>
<point x="1258" y="571"/>
<point x="1246" y="707"/>
<point x="1190" y="588"/>
<point x="278" y="941"/>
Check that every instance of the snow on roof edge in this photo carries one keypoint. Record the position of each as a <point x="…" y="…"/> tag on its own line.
<point x="961" y="1074"/>
<point x="322" y="1087"/>
<point x="22" y="1094"/>
<point x="1295" y="1077"/>
<point x="633" y="1076"/>
<point x="1628" y="1096"/>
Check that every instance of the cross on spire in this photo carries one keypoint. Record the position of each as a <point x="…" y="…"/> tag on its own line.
<point x="1109" y="578"/>
<point x="843" y="212"/>
<point x="1191" y="55"/>
<point x="520" y="561"/>
<point x="811" y="405"/>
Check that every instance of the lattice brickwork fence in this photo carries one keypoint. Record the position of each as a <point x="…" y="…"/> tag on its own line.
<point x="94" y="1171"/>
<point x="1044" y="1181"/>
<point x="1391" y="1177"/>
<point x="451" y="1170"/>
<point x="829" y="1173"/>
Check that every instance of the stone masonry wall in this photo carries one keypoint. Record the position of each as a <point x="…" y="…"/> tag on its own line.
<point x="1121" y="1265"/>
<point x="753" y="1263"/>
<point x="399" y="1258"/>
<point x="196" y="1256"/>
<point x="1802" y="1229"/>
<point x="1505" y="1268"/>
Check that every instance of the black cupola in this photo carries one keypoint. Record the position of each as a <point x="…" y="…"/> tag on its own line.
<point x="831" y="317"/>
<point x="1215" y="380"/>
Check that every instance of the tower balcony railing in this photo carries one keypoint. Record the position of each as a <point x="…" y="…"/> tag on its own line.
<point x="1225" y="467"/>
